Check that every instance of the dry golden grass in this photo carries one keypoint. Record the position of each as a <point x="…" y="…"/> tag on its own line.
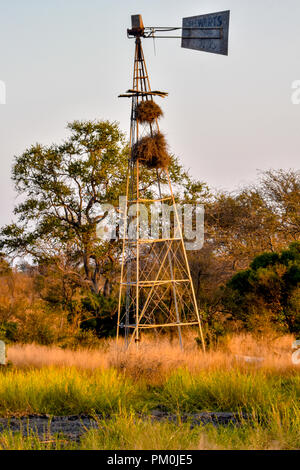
<point x="128" y="385"/>
<point x="31" y="355"/>
<point x="156" y="359"/>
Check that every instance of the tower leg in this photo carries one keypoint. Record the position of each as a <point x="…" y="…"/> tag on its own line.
<point x="187" y="265"/>
<point x="172" y="278"/>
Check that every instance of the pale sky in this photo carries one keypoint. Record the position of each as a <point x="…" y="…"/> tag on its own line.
<point x="225" y="117"/>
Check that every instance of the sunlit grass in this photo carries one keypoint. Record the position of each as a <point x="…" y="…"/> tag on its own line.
<point x="67" y="391"/>
<point x="63" y="391"/>
<point x="226" y="390"/>
<point x="278" y="429"/>
<point x="128" y="431"/>
<point x="17" y="441"/>
<point x="125" y="432"/>
<point x="123" y="387"/>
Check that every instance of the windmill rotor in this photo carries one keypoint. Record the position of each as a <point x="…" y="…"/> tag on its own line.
<point x="207" y="33"/>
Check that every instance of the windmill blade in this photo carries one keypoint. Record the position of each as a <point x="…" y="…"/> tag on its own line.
<point x="208" y="33"/>
<point x="153" y="31"/>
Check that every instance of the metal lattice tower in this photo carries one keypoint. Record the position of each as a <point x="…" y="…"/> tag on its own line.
<point x="155" y="275"/>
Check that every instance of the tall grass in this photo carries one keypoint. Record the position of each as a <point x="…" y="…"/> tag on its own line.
<point x="154" y="359"/>
<point x="226" y="390"/>
<point x="127" y="431"/>
<point x="18" y="441"/>
<point x="63" y="391"/>
<point x="124" y="387"/>
<point x="31" y="355"/>
<point x="278" y="431"/>
<point x="130" y="432"/>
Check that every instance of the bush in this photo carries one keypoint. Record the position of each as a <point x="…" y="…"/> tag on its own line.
<point x="9" y="332"/>
<point x="100" y="312"/>
<point x="267" y="292"/>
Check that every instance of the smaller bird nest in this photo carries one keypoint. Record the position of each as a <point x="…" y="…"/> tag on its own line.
<point x="148" y="111"/>
<point x="152" y="151"/>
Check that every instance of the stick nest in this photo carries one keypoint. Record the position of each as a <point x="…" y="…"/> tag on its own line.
<point x="148" y="111"/>
<point x="152" y="151"/>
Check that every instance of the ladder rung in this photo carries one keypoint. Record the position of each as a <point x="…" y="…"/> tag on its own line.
<point x="151" y="200"/>
<point x="158" y="240"/>
<point x="143" y="325"/>
<point x="151" y="283"/>
<point x="149" y="240"/>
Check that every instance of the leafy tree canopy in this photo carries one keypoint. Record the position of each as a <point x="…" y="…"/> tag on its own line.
<point x="62" y="187"/>
<point x="270" y="286"/>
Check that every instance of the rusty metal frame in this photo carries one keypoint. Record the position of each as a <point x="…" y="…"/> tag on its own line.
<point x="163" y="282"/>
<point x="149" y="31"/>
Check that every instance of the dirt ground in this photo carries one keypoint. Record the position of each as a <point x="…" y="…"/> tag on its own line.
<point x="72" y="427"/>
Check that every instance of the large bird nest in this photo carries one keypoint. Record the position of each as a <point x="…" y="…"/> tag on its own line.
<point x="148" y="111"/>
<point x="152" y="151"/>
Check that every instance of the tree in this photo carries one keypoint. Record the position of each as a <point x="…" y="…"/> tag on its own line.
<point x="281" y="191"/>
<point x="63" y="189"/>
<point x="267" y="291"/>
<point x="258" y="218"/>
<point x="241" y="226"/>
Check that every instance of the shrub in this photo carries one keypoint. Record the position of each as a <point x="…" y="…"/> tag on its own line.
<point x="267" y="291"/>
<point x="8" y="331"/>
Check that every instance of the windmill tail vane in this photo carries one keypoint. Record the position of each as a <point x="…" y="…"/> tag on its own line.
<point x="156" y="288"/>
<point x="206" y="33"/>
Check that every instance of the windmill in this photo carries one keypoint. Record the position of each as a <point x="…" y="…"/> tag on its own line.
<point x="155" y="276"/>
